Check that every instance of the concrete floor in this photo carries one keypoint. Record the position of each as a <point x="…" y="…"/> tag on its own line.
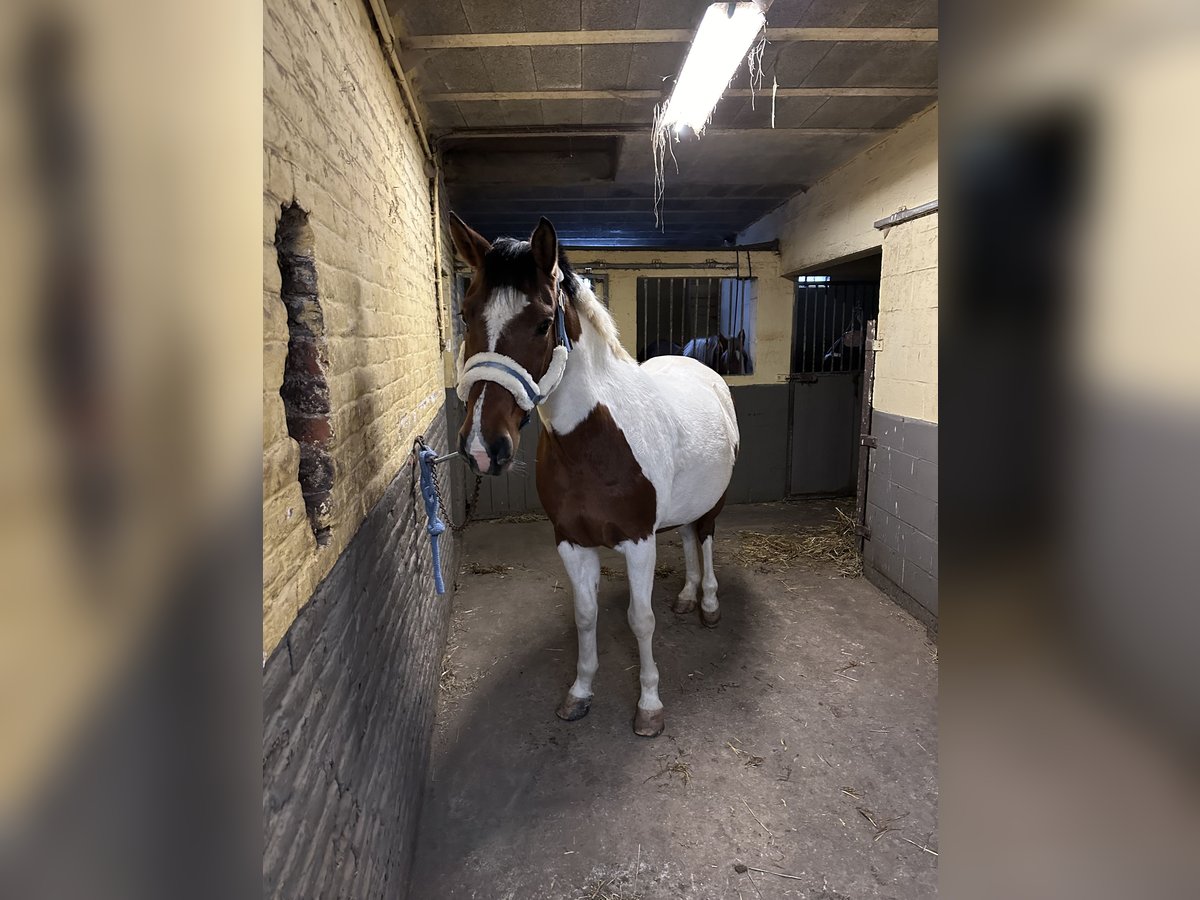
<point x="523" y="805"/>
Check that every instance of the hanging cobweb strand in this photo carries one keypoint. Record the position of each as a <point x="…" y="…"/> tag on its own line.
<point x="754" y="65"/>
<point x="661" y="145"/>
<point x="658" y="149"/>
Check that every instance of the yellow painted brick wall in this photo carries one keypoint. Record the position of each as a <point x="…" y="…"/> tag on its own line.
<point x="906" y="371"/>
<point x="338" y="140"/>
<point x="835" y="219"/>
<point x="771" y="352"/>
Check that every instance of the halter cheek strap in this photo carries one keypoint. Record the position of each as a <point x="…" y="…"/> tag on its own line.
<point x="511" y="375"/>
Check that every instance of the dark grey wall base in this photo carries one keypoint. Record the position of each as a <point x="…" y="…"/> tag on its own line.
<point x="902" y="508"/>
<point x="902" y="599"/>
<point x="348" y="705"/>
<point x="760" y="474"/>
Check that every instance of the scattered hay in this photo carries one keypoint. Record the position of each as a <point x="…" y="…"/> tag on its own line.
<point x="880" y="828"/>
<point x="758" y="548"/>
<point x="522" y="518"/>
<point x="480" y="569"/>
<point x="760" y="822"/>
<point x="635" y="878"/>
<point x="742" y="869"/>
<point x="841" y="673"/>
<point x="672" y="767"/>
<point x="605" y="890"/>
<point x="832" y="544"/>
<point x="454" y="688"/>
<point x="748" y="759"/>
<point x="660" y="572"/>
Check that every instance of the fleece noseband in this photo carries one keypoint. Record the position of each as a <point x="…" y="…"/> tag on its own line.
<point x="512" y="376"/>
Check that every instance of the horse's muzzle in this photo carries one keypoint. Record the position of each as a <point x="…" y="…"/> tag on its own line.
<point x="491" y="459"/>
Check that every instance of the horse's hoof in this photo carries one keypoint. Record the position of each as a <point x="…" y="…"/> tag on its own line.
<point x="710" y="619"/>
<point x="573" y="708"/>
<point x="649" y="722"/>
<point x="683" y="605"/>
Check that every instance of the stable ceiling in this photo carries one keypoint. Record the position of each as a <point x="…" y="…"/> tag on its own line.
<point x="543" y="107"/>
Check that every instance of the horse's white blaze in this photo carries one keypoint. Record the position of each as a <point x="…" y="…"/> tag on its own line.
<point x="583" y="568"/>
<point x="639" y="562"/>
<point x="476" y="447"/>
<point x="504" y="305"/>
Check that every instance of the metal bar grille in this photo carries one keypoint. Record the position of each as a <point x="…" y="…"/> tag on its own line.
<point x="830" y="325"/>
<point x="709" y="319"/>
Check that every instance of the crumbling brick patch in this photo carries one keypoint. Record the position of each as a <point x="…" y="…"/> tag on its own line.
<point x="305" y="388"/>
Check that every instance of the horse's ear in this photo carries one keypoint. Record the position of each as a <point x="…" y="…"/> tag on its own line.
<point x="545" y="247"/>
<point x="470" y="244"/>
<point x="722" y="341"/>
<point x="742" y="338"/>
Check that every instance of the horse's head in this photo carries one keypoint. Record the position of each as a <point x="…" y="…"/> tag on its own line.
<point x="508" y="311"/>
<point x="733" y="359"/>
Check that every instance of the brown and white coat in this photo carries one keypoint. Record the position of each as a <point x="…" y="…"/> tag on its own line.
<point x="626" y="451"/>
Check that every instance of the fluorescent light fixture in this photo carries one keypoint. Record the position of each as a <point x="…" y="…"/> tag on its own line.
<point x="721" y="43"/>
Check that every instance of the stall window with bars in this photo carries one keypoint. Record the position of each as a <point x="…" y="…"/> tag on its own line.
<point x="831" y="319"/>
<point x="709" y="319"/>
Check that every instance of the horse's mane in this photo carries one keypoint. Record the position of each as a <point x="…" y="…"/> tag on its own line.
<point x="585" y="303"/>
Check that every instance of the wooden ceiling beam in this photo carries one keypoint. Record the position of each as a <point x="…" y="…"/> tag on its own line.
<point x="519" y="131"/>
<point x="469" y="96"/>
<point x="655" y="36"/>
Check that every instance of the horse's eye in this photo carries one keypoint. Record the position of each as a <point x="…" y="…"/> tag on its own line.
<point x="545" y="326"/>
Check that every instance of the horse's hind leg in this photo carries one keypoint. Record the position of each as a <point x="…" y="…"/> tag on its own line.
<point x="691" y="559"/>
<point x="710" y="611"/>
<point x="583" y="568"/>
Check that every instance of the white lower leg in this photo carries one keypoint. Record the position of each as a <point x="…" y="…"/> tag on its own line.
<point x="639" y="561"/>
<point x="691" y="564"/>
<point x="583" y="568"/>
<point x="708" y="600"/>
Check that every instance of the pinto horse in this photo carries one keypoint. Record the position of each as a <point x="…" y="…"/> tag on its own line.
<point x="626" y="450"/>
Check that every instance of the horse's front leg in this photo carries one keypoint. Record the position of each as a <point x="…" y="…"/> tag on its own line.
<point x="583" y="568"/>
<point x="639" y="560"/>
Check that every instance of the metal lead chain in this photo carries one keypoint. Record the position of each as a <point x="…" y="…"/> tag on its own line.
<point x="418" y="445"/>
<point x="471" y="505"/>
